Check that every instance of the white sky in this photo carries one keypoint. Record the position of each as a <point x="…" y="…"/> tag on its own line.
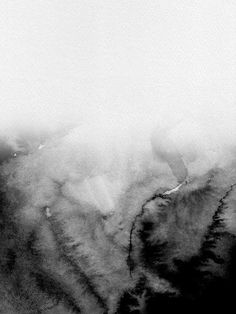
<point x="79" y="59"/>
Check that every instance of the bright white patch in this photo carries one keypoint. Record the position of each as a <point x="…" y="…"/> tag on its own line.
<point x="174" y="190"/>
<point x="48" y="213"/>
<point x="41" y="146"/>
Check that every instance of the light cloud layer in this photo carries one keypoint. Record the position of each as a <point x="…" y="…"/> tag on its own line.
<point x="119" y="72"/>
<point x="67" y="62"/>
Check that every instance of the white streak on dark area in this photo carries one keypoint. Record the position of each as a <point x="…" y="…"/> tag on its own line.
<point x="174" y="189"/>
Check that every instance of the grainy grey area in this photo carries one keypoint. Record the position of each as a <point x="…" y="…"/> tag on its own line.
<point x="157" y="245"/>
